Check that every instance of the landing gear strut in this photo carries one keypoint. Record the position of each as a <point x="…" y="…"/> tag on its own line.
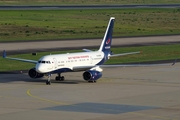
<point x="59" y="77"/>
<point x="48" y="82"/>
<point x="92" y="81"/>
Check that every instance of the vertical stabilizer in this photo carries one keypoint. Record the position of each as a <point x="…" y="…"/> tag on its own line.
<point x="106" y="43"/>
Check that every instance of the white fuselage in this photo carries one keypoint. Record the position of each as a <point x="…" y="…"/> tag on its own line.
<point x="51" y="63"/>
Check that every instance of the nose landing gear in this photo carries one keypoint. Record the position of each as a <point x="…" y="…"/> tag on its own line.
<point x="58" y="78"/>
<point x="48" y="82"/>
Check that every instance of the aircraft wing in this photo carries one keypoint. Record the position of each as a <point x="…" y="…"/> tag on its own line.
<point x="133" y="65"/>
<point x="136" y="65"/>
<point x="19" y="59"/>
<point x="84" y="68"/>
<point x="130" y="53"/>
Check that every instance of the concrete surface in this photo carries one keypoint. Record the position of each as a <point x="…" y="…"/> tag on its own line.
<point x="138" y="93"/>
<point x="22" y="47"/>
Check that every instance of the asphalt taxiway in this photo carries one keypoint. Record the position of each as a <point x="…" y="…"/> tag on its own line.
<point x="60" y="7"/>
<point x="39" y="46"/>
<point x="138" y="93"/>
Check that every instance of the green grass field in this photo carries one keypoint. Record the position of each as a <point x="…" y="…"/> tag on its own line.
<point x="149" y="53"/>
<point x="18" y="25"/>
<point x="83" y="2"/>
<point x="75" y="24"/>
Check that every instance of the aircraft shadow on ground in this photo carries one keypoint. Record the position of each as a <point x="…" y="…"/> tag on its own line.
<point x="9" y="77"/>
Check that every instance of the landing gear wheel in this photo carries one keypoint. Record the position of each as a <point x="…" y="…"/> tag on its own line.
<point x="48" y="82"/>
<point x="59" y="78"/>
<point x="92" y="81"/>
<point x="62" y="78"/>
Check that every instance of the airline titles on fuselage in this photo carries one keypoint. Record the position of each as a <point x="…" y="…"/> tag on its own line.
<point x="77" y="57"/>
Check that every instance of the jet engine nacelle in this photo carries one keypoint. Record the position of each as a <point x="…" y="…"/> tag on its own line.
<point x="33" y="74"/>
<point x="91" y="75"/>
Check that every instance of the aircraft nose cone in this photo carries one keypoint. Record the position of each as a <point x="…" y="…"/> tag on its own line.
<point x="39" y="68"/>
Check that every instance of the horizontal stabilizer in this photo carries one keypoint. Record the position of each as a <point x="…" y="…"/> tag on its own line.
<point x="87" y="50"/>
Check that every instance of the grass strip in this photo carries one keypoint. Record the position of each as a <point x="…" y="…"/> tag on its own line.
<point x="83" y="2"/>
<point x="22" y="25"/>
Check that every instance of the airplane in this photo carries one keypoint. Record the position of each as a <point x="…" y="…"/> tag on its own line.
<point x="91" y="62"/>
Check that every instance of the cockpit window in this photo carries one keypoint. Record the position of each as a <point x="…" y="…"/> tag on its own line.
<point x="47" y="62"/>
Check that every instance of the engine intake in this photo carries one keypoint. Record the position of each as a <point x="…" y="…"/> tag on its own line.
<point x="91" y="75"/>
<point x="33" y="74"/>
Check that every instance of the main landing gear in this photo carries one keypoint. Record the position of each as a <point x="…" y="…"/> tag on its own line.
<point x="92" y="81"/>
<point x="58" y="78"/>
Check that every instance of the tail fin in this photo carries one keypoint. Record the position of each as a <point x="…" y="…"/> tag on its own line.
<point x="106" y="43"/>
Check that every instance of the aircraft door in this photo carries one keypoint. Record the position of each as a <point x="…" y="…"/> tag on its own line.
<point x="91" y="60"/>
<point x="55" y="63"/>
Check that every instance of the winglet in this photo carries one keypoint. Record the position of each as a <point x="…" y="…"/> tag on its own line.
<point x="4" y="54"/>
<point x="174" y="62"/>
